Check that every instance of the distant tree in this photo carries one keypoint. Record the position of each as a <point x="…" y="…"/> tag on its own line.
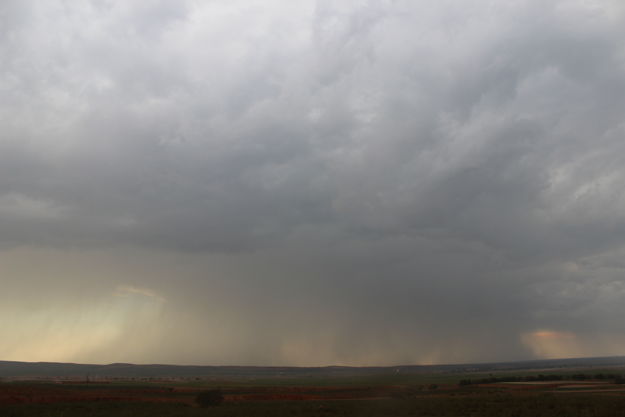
<point x="209" y="398"/>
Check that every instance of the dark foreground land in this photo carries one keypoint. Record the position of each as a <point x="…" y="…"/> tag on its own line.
<point x="588" y="398"/>
<point x="563" y="390"/>
<point x="478" y="406"/>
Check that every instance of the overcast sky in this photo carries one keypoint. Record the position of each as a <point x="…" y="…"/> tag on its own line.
<point x="311" y="182"/>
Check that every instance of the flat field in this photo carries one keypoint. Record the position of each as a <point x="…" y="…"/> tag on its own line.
<point x="345" y="398"/>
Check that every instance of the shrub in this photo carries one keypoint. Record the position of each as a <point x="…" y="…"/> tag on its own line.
<point x="209" y="398"/>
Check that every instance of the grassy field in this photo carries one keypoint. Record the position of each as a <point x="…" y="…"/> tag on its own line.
<point x="503" y="405"/>
<point x="432" y="395"/>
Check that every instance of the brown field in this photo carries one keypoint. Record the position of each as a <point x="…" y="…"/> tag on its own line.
<point x="45" y="393"/>
<point x="82" y="392"/>
<point x="575" y="398"/>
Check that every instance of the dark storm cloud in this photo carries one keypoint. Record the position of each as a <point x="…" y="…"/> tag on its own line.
<point x="375" y="181"/>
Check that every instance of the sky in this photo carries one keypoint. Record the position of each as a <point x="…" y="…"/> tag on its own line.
<point x="311" y="182"/>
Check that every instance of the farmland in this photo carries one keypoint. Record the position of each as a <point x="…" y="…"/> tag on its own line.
<point x="528" y="394"/>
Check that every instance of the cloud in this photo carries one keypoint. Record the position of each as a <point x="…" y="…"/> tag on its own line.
<point x="129" y="290"/>
<point x="385" y="181"/>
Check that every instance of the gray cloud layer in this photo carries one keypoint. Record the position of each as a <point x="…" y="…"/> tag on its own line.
<point x="311" y="183"/>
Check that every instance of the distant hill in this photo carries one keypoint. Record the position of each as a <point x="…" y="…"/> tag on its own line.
<point x="10" y="369"/>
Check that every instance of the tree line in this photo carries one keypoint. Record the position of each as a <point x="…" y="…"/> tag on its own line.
<point x="617" y="378"/>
